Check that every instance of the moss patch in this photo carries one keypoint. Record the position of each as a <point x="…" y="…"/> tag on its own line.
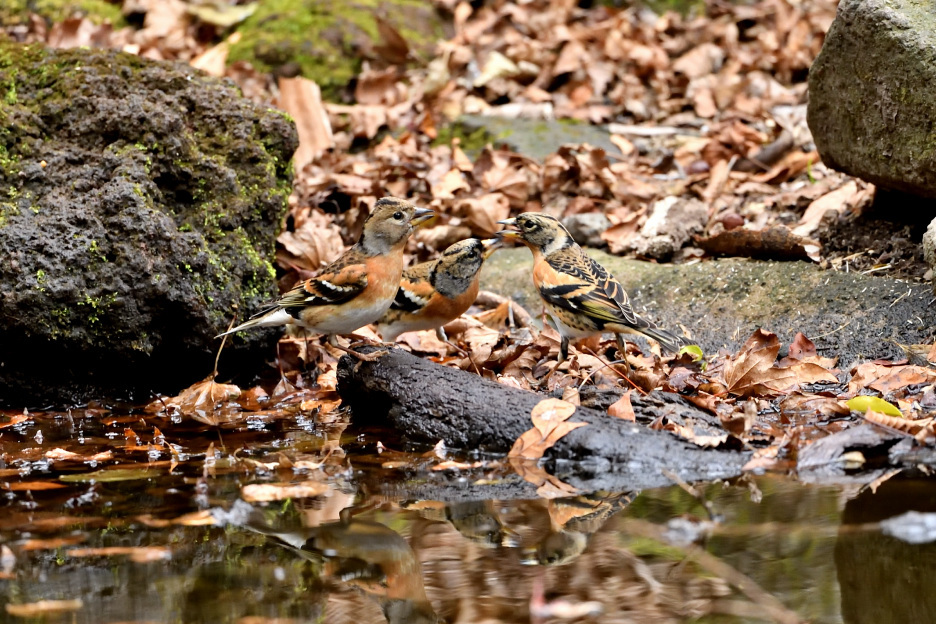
<point x="98" y="11"/>
<point x="327" y="41"/>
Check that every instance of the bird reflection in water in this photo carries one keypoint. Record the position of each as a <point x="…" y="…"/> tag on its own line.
<point x="363" y="554"/>
<point x="572" y="522"/>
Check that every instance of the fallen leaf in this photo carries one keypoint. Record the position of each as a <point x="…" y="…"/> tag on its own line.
<point x="267" y="492"/>
<point x="302" y="99"/>
<point x="43" y="608"/>
<point x="776" y="242"/>
<point x="550" y="424"/>
<point x="753" y="370"/>
<point x="622" y="408"/>
<point x="137" y="554"/>
<point x="867" y="403"/>
<point x="837" y="201"/>
<point x="31" y="486"/>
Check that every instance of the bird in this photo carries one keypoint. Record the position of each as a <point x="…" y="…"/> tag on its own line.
<point x="355" y="289"/>
<point x="581" y="296"/>
<point x="433" y="293"/>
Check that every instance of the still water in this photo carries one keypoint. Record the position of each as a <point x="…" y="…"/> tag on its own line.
<point x="151" y="525"/>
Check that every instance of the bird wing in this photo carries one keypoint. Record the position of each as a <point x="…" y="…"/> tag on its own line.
<point x="341" y="281"/>
<point x="579" y="284"/>
<point x="415" y="289"/>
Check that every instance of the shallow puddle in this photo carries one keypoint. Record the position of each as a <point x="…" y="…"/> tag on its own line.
<point x="116" y="517"/>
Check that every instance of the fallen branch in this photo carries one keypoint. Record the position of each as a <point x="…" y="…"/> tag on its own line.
<point x="429" y="402"/>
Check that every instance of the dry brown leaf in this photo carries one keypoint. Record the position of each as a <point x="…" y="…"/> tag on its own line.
<point x="776" y="242"/>
<point x="267" y="492"/>
<point x="314" y="242"/>
<point x="137" y="554"/>
<point x="622" y="408"/>
<point x="550" y="424"/>
<point x="302" y="99"/>
<point x="203" y="401"/>
<point x="481" y="214"/>
<point x="15" y="419"/>
<point x="23" y="486"/>
<point x="752" y="369"/>
<point x="43" y="608"/>
<point x="837" y="201"/>
<point x="548" y="486"/>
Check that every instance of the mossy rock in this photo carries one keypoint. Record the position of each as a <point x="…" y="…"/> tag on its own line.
<point x="722" y="302"/>
<point x="98" y="11"/>
<point x="139" y="207"/>
<point x="327" y="41"/>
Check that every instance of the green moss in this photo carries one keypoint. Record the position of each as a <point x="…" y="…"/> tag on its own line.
<point x="470" y="140"/>
<point x="98" y="11"/>
<point x="324" y="40"/>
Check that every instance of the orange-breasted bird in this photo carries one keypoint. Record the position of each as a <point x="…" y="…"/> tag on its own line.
<point x="581" y="297"/>
<point x="433" y="293"/>
<point x="358" y="287"/>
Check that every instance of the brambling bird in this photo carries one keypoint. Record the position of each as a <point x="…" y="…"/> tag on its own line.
<point x="581" y="297"/>
<point x="433" y="293"/>
<point x="358" y="287"/>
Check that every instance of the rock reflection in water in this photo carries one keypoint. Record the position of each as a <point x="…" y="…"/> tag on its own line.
<point x="882" y="579"/>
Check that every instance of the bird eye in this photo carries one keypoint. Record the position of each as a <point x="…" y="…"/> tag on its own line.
<point x="398" y="215"/>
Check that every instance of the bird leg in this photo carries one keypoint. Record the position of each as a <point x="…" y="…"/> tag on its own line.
<point x="366" y="357"/>
<point x="622" y="349"/>
<point x="563" y="356"/>
<point x="440" y="334"/>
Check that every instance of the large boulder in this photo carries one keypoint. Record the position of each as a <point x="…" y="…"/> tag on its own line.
<point x="139" y="207"/>
<point x="872" y="94"/>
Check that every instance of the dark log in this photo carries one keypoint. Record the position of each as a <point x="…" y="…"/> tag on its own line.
<point x="428" y="402"/>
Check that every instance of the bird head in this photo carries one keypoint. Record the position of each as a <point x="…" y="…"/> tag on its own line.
<point x="459" y="264"/>
<point x="537" y="231"/>
<point x="390" y="223"/>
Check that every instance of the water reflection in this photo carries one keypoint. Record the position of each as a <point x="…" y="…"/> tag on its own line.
<point x="883" y="579"/>
<point x="363" y="554"/>
<point x="90" y="519"/>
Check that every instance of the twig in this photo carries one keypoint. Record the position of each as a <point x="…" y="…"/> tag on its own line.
<point x="609" y="365"/>
<point x="894" y="302"/>
<point x="839" y="328"/>
<point x="694" y="493"/>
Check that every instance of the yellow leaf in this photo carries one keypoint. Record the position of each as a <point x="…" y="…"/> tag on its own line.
<point x="694" y="350"/>
<point x="864" y="403"/>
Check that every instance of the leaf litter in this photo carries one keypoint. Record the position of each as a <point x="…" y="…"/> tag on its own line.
<point x="710" y="110"/>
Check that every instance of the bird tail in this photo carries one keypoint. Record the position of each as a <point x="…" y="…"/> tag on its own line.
<point x="668" y="341"/>
<point x="273" y="318"/>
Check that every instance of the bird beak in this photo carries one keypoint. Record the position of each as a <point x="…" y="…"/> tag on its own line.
<point x="511" y="235"/>
<point x="420" y="215"/>
<point x="490" y="246"/>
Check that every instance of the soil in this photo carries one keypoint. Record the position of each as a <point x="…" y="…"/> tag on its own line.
<point x="889" y="233"/>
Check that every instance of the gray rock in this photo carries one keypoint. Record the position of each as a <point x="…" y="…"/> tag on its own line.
<point x="587" y="228"/>
<point x="721" y="302"/>
<point x="671" y="222"/>
<point x="140" y="205"/>
<point x="536" y="138"/>
<point x="872" y="94"/>
<point x="929" y="245"/>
